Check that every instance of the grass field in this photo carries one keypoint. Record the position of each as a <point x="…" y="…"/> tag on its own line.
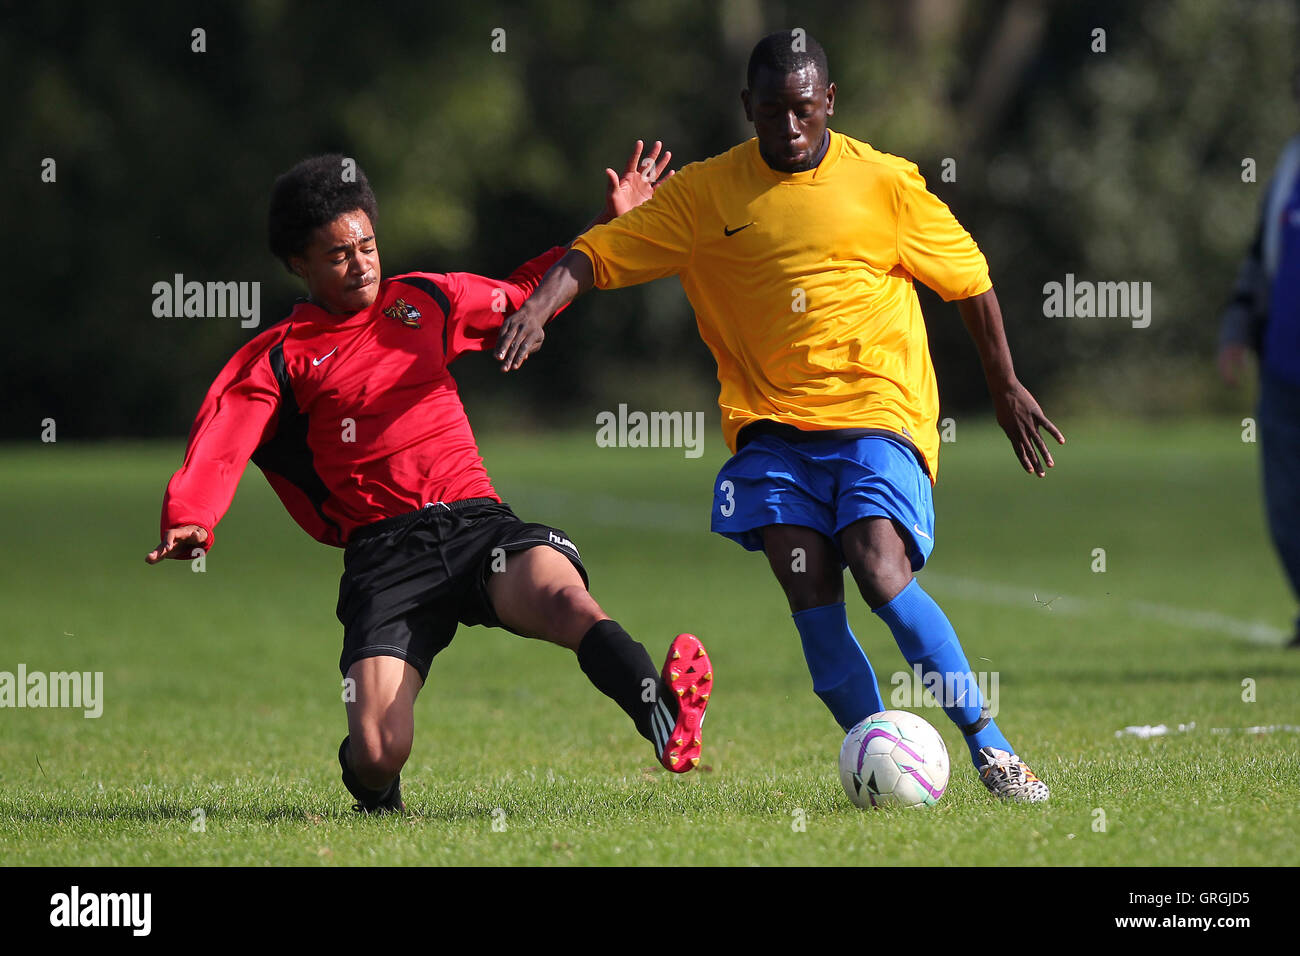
<point x="222" y="695"/>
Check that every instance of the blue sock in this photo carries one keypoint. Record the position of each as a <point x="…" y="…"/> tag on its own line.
<point x="842" y="675"/>
<point x="926" y="638"/>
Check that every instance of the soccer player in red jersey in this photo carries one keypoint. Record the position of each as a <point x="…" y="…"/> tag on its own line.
<point x="350" y="411"/>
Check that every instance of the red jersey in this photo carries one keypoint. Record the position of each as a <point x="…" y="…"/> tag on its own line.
<point x="352" y="419"/>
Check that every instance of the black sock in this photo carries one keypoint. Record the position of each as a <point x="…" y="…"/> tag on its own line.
<point x="622" y="670"/>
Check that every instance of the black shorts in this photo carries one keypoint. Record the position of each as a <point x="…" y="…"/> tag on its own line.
<point x="408" y="581"/>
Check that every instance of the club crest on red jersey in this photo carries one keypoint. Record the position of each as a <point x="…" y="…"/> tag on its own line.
<point x="407" y="314"/>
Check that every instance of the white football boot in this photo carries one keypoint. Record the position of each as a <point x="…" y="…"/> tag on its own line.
<point x="1009" y="778"/>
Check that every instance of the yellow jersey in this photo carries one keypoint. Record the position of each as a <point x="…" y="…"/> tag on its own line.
<point x="802" y="283"/>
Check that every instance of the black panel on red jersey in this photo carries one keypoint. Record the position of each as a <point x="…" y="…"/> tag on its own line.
<point x="287" y="453"/>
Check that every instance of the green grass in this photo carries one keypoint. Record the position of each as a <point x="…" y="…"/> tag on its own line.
<point x="222" y="691"/>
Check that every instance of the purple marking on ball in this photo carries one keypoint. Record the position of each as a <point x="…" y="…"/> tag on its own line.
<point x="877" y="732"/>
<point x="924" y="783"/>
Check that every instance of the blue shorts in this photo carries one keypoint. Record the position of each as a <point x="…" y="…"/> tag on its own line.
<point x="825" y="485"/>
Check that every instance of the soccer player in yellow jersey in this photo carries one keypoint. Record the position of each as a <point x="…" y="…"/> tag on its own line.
<point x="798" y="251"/>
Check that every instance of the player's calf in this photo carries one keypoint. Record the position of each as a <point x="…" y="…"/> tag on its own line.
<point x="814" y="586"/>
<point x="541" y="594"/>
<point x="381" y="728"/>
<point x="877" y="558"/>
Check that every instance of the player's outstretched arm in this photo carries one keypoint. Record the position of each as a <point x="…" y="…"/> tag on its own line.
<point x="522" y="332"/>
<point x="1017" y="411"/>
<point x="183" y="539"/>
<point x="239" y="413"/>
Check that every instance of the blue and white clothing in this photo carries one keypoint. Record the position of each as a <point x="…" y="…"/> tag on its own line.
<point x="825" y="484"/>
<point x="1267" y="290"/>
<point x="1265" y="314"/>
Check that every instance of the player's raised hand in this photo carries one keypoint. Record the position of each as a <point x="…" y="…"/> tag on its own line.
<point x="1021" y="417"/>
<point x="639" y="180"/>
<point x="184" y="538"/>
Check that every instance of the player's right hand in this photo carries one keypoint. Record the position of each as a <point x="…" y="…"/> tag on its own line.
<point x="521" y="335"/>
<point x="185" y="537"/>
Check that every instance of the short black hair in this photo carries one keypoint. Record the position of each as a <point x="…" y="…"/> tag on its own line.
<point x="313" y="194"/>
<point x="786" y="52"/>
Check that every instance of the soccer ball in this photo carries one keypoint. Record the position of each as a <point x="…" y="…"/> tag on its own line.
<point x="894" y="759"/>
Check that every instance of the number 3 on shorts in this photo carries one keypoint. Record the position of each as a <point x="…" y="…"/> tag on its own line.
<point x="728" y="507"/>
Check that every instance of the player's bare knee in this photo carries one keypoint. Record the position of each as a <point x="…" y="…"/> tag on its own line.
<point x="574" y="599"/>
<point x="811" y="582"/>
<point x="805" y="593"/>
<point x="573" y="611"/>
<point x="880" y="579"/>
<point x="877" y="559"/>
<point x="379" y="770"/>
<point x="379" y="755"/>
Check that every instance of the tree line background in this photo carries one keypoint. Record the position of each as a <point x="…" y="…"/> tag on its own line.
<point x="1122" y="165"/>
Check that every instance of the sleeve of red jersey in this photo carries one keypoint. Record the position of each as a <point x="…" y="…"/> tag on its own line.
<point x="479" y="305"/>
<point x="238" y="414"/>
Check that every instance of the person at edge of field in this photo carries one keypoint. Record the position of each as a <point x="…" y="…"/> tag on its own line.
<point x="1264" y="317"/>
<point x="350" y="411"/>
<point x="798" y="250"/>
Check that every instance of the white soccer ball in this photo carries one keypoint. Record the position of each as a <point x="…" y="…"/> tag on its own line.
<point x="894" y="759"/>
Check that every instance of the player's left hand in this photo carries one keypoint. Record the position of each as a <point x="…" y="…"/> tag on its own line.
<point x="640" y="179"/>
<point x="1021" y="418"/>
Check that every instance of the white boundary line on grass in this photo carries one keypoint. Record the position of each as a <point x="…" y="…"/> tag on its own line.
<point x="1003" y="595"/>
<point x="613" y="511"/>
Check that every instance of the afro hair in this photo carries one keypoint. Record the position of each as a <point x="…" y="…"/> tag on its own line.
<point x="312" y="194"/>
